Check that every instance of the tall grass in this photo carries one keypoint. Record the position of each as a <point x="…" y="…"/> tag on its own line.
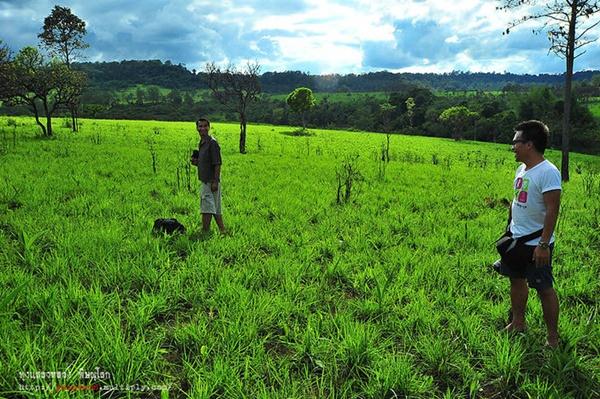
<point x="387" y="295"/>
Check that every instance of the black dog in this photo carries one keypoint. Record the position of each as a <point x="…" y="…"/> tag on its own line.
<point x="168" y="226"/>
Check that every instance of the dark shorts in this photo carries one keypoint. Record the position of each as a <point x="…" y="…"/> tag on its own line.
<point x="539" y="278"/>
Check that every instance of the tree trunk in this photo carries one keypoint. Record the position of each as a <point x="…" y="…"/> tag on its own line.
<point x="74" y="126"/>
<point x="242" y="133"/>
<point x="566" y="123"/>
<point x="48" y="119"/>
<point x="303" y="120"/>
<point x="48" y="125"/>
<point x="37" y="118"/>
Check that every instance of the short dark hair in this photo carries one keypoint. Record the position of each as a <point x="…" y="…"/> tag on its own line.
<point x="203" y="119"/>
<point x="535" y="131"/>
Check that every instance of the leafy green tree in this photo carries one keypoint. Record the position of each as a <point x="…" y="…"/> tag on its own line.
<point x="300" y="101"/>
<point x="567" y="23"/>
<point x="410" y="110"/>
<point x="174" y="97"/>
<point x="140" y="96"/>
<point x="188" y="99"/>
<point x="43" y="86"/>
<point x="62" y="35"/>
<point x="539" y="103"/>
<point x="596" y="84"/>
<point x="153" y="94"/>
<point x="458" y="119"/>
<point x="385" y="111"/>
<point x="422" y="97"/>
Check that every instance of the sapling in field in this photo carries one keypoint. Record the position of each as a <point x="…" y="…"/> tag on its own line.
<point x="152" y="149"/>
<point x="347" y="176"/>
<point x="382" y="162"/>
<point x="184" y="172"/>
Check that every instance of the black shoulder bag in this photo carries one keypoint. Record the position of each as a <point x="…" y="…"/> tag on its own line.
<point x="506" y="244"/>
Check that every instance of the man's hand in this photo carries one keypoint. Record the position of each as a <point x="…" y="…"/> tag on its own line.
<point x="214" y="186"/>
<point x="541" y="256"/>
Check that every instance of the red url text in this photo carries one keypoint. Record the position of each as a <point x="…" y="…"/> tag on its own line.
<point x="72" y="388"/>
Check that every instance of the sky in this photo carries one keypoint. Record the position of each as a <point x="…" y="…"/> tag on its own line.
<point x="314" y="36"/>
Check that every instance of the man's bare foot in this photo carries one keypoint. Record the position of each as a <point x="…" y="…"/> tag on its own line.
<point x="515" y="328"/>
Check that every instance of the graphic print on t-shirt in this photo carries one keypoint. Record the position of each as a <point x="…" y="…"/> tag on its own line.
<point x="521" y="187"/>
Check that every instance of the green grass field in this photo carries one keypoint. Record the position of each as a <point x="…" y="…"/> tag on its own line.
<point x="386" y="296"/>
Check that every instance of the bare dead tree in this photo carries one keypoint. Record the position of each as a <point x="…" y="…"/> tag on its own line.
<point x="235" y="88"/>
<point x="568" y="24"/>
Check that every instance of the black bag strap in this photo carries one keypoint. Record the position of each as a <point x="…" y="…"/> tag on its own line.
<point x="530" y="237"/>
<point x="526" y="238"/>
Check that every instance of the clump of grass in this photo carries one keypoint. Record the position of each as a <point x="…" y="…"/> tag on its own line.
<point x="505" y="363"/>
<point x="591" y="183"/>
<point x="396" y="376"/>
<point x="357" y="352"/>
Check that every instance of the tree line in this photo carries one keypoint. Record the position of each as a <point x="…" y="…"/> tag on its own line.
<point x="123" y="74"/>
<point x="418" y="110"/>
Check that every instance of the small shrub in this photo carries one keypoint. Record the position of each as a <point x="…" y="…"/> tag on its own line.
<point x="347" y="176"/>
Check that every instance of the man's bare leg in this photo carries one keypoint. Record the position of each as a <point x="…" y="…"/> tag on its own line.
<point x="519" y="291"/>
<point x="206" y="218"/>
<point x="550" y="308"/>
<point x="219" y="220"/>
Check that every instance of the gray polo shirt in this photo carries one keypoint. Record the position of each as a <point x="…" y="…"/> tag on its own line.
<point x="209" y="155"/>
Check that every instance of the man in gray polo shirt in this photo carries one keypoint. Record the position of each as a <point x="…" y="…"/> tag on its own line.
<point x="208" y="162"/>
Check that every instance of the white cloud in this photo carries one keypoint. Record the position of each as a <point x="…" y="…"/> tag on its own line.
<point x="330" y="57"/>
<point x="318" y="36"/>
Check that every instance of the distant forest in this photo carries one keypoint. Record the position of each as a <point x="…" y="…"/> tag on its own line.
<point x="119" y="75"/>
<point x="462" y="105"/>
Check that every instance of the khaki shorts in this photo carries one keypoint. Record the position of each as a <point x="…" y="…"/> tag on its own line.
<point x="210" y="202"/>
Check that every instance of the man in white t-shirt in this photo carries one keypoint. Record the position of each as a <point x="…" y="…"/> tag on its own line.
<point x="535" y="206"/>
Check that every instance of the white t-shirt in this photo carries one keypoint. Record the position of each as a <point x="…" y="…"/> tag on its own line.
<point x="528" y="209"/>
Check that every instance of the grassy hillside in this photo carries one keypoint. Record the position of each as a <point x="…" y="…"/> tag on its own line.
<point x="388" y="295"/>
